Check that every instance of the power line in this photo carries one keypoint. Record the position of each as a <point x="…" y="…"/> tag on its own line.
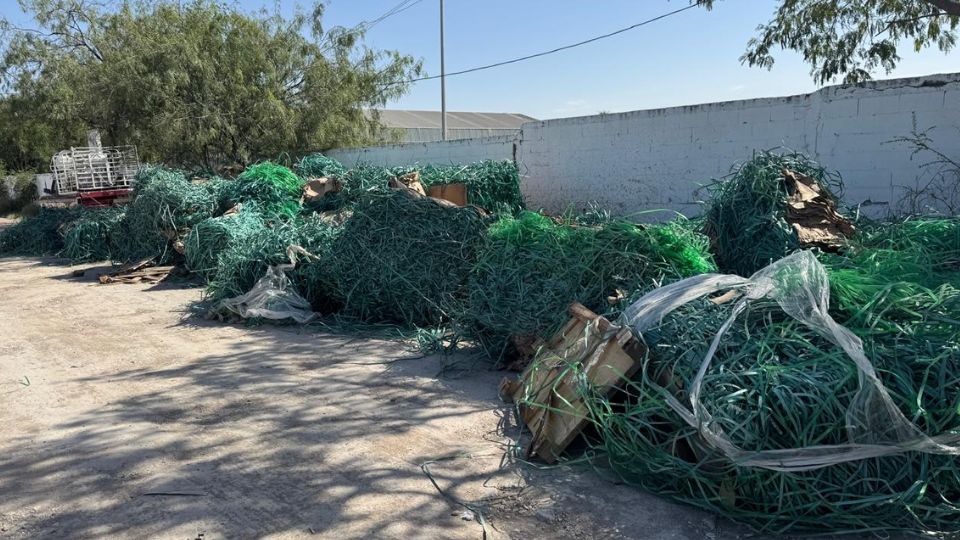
<point x="552" y="51"/>
<point x="399" y="8"/>
<point x="365" y="25"/>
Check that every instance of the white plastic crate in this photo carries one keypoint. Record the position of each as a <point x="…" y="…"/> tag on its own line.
<point x="94" y="168"/>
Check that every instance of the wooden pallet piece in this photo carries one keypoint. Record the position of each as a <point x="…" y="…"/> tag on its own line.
<point x="550" y="405"/>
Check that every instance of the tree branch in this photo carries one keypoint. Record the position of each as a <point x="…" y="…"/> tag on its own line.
<point x="950" y="7"/>
<point x="82" y="40"/>
<point x="890" y="24"/>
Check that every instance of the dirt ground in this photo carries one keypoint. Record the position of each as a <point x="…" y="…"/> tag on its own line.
<point x="123" y="417"/>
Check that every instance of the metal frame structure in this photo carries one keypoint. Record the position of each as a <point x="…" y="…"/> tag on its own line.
<point x="94" y="169"/>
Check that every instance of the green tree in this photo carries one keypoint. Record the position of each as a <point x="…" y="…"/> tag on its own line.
<point x="851" y="39"/>
<point x="193" y="83"/>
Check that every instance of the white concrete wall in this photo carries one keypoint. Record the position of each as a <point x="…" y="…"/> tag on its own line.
<point x="456" y="152"/>
<point x="414" y="135"/>
<point x="642" y="160"/>
<point x="657" y="159"/>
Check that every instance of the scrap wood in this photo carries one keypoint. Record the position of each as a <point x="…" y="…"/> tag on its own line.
<point x="549" y="399"/>
<point x="153" y="274"/>
<point x="137" y="265"/>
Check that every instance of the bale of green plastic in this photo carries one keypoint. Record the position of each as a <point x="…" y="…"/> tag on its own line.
<point x="88" y="238"/>
<point x="223" y="191"/>
<point x="745" y="213"/>
<point x="776" y="384"/>
<point x="531" y="267"/>
<point x="402" y="258"/>
<point x="320" y="166"/>
<point x="38" y="235"/>
<point x="314" y="278"/>
<point x="245" y="260"/>
<point x="209" y="238"/>
<point x="164" y="207"/>
<point x="245" y="257"/>
<point x="274" y="188"/>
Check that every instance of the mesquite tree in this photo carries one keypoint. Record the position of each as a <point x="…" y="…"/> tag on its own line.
<point x="195" y="83"/>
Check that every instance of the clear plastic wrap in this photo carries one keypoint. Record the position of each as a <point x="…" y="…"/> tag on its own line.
<point x="273" y="296"/>
<point x="799" y="284"/>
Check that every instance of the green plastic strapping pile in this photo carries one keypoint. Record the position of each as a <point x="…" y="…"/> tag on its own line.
<point x="492" y="185"/>
<point x="38" y="235"/>
<point x="275" y="188"/>
<point x="209" y="238"/>
<point x="313" y="277"/>
<point x="223" y="191"/>
<point x="245" y="260"/>
<point x="744" y="216"/>
<point x="532" y="267"/>
<point x="87" y="238"/>
<point x="164" y="207"/>
<point x="320" y="166"/>
<point x="935" y="241"/>
<point x="776" y="384"/>
<point x="402" y="258"/>
<point x="354" y="184"/>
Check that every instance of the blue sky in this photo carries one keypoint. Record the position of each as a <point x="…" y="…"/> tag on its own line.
<point x="685" y="59"/>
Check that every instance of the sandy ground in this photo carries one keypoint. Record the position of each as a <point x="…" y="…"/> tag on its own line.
<point x="125" y="418"/>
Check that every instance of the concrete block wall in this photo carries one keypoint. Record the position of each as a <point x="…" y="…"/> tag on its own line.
<point x="461" y="151"/>
<point x="660" y="159"/>
<point x="642" y="160"/>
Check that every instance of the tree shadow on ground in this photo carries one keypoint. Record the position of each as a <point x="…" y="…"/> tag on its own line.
<point x="283" y="433"/>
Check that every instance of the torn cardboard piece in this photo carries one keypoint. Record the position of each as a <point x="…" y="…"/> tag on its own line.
<point x="410" y="181"/>
<point x="813" y="214"/>
<point x="317" y="188"/>
<point x="589" y="348"/>
<point x="454" y="193"/>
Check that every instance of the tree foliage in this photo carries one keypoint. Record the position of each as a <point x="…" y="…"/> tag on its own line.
<point x="851" y="39"/>
<point x="192" y="83"/>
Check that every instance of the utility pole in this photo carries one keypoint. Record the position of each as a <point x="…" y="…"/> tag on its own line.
<point x="443" y="83"/>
